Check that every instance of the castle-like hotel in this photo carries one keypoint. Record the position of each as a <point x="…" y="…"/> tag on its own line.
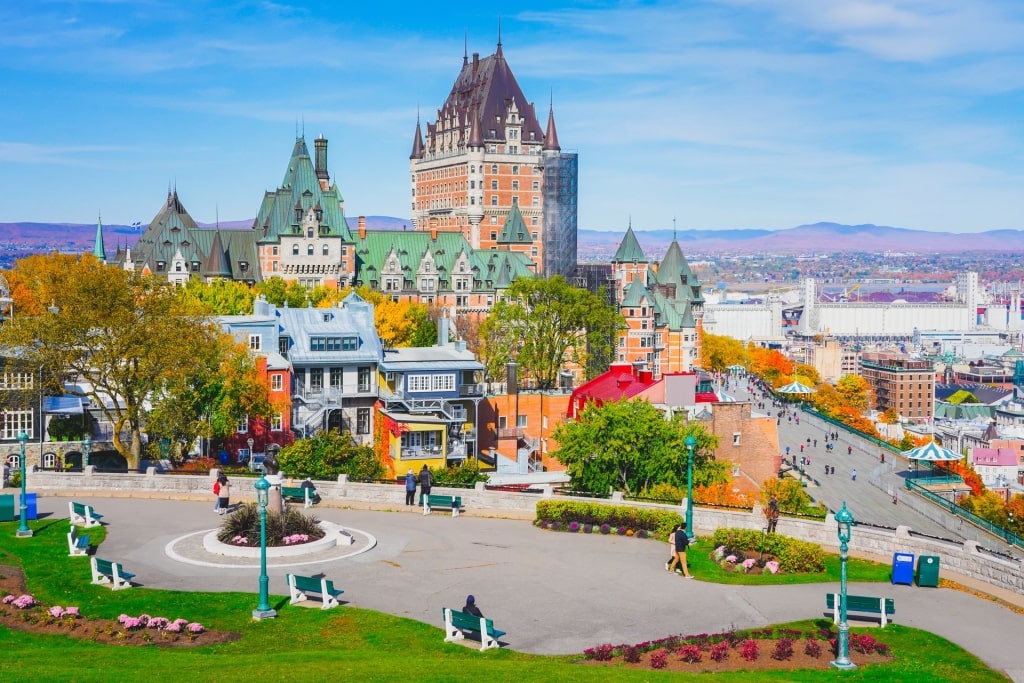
<point x="493" y="198"/>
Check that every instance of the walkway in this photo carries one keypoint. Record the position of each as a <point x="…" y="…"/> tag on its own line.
<point x="869" y="498"/>
<point x="555" y="593"/>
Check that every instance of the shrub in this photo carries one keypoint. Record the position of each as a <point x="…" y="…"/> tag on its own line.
<point x="605" y="528"/>
<point x="602" y="653"/>
<point x="863" y="644"/>
<point x="574" y="527"/>
<point x="245" y="522"/>
<point x="621" y="531"/>
<point x="659" y="659"/>
<point x="587" y="528"/>
<point x="631" y="654"/>
<point x="749" y="649"/>
<point x="719" y="651"/>
<point x="795" y="556"/>
<point x="812" y="647"/>
<point x="658" y="523"/>
<point x="783" y="649"/>
<point x="690" y="653"/>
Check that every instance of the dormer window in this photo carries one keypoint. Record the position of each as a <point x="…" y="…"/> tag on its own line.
<point x="243" y="266"/>
<point x="195" y="266"/>
<point x="160" y="266"/>
<point x="319" y="214"/>
<point x="298" y="213"/>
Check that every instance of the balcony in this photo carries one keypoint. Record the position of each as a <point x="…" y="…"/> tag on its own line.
<point x="511" y="432"/>
<point x="469" y="390"/>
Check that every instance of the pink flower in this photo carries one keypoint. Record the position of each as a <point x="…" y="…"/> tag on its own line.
<point x="772" y="566"/>
<point x="8" y="599"/>
<point x="173" y="627"/>
<point x="749" y="562"/>
<point x="731" y="558"/>
<point x="71" y="612"/>
<point x="56" y="611"/>
<point x="24" y="602"/>
<point x="195" y="627"/>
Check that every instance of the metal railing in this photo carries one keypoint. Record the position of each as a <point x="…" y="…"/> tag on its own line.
<point x="952" y="507"/>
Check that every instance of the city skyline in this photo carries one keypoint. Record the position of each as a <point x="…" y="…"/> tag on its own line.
<point x="720" y="114"/>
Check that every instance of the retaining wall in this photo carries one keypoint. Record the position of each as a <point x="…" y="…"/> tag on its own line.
<point x="964" y="559"/>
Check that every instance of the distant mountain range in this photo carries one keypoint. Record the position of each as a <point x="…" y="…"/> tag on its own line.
<point x="21" y="239"/>
<point x="808" y="239"/>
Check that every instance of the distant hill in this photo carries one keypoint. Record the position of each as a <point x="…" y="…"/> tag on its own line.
<point x="22" y="239"/>
<point x="821" y="237"/>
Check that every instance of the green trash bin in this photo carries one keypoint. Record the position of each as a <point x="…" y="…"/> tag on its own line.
<point x="928" y="571"/>
<point x="6" y="507"/>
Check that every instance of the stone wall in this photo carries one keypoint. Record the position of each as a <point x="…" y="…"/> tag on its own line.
<point x="964" y="559"/>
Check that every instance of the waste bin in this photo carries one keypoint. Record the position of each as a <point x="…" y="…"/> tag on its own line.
<point x="903" y="568"/>
<point x="6" y="508"/>
<point x="10" y="507"/>
<point x="928" y="571"/>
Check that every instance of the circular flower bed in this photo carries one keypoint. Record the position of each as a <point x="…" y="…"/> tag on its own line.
<point x="745" y="561"/>
<point x="242" y="528"/>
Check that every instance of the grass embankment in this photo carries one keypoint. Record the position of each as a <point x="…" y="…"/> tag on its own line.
<point x="315" y="645"/>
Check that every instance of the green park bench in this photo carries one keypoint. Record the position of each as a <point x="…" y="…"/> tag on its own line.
<point x="455" y="622"/>
<point x="77" y="545"/>
<point x="453" y="503"/>
<point x="301" y="586"/>
<point x="83" y="514"/>
<point x="105" y="571"/>
<point x="306" y="494"/>
<point x="883" y="607"/>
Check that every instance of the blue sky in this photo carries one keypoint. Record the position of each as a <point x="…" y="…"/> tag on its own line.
<point x="716" y="113"/>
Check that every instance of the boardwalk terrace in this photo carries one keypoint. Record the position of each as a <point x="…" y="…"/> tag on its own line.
<point x="905" y="384"/>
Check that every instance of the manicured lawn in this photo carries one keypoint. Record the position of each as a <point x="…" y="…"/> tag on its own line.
<point x="698" y="557"/>
<point x="338" y="644"/>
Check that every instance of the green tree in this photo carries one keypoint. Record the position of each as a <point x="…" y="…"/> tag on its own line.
<point x="631" y="446"/>
<point x="279" y="292"/>
<point x="546" y="323"/>
<point x="222" y="297"/>
<point x="126" y="339"/>
<point x="327" y="454"/>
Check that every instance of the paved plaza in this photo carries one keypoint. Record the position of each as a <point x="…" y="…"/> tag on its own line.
<point x="554" y="593"/>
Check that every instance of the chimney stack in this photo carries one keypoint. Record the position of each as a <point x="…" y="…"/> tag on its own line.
<point x="362" y="227"/>
<point x="320" y="147"/>
<point x="433" y="233"/>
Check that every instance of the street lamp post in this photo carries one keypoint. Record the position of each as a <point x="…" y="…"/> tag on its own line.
<point x="691" y="443"/>
<point x="86" y="448"/>
<point x="250" y="442"/>
<point x="263" y="610"/>
<point x="844" y="519"/>
<point x="23" y="530"/>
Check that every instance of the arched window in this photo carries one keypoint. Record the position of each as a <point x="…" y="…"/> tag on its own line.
<point x="295" y="250"/>
<point x="325" y="250"/>
<point x="309" y="250"/>
<point x="49" y="460"/>
<point x="309" y="232"/>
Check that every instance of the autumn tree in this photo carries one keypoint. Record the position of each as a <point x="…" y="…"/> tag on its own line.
<point x="399" y="323"/>
<point x="806" y="374"/>
<point x="123" y="338"/>
<point x="855" y="392"/>
<point x="769" y="364"/>
<point x="211" y="401"/>
<point x="718" y="352"/>
<point x="545" y="323"/>
<point x="630" y="446"/>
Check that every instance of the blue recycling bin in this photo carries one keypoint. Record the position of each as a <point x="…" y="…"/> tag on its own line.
<point x="903" y="568"/>
<point x="31" y="510"/>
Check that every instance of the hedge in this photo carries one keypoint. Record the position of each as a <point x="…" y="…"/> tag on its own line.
<point x="658" y="523"/>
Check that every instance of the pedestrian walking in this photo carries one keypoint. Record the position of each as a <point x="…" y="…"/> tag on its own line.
<point x="671" y="549"/>
<point x="853" y="475"/>
<point x="849" y="450"/>
<point x="815" y="443"/>
<point x="801" y="448"/>
<point x="787" y="451"/>
<point x="882" y="458"/>
<point x="682" y="542"/>
<point x="895" y="497"/>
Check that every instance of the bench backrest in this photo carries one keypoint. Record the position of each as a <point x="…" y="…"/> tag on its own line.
<point x="107" y="567"/>
<point x="308" y="583"/>
<point x="79" y="508"/>
<point x="296" y="491"/>
<point x="864" y="603"/>
<point x="469" y="622"/>
<point x="74" y="533"/>
<point x="438" y="499"/>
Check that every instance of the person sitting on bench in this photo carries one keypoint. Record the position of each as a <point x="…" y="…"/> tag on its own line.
<point x="471" y="607"/>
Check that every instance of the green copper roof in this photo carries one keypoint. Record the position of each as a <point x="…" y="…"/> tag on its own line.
<point x="674" y="270"/>
<point x="515" y="231"/>
<point x="448" y="255"/>
<point x="629" y="249"/>
<point x="635" y="292"/>
<point x="98" y="250"/>
<point x="283" y="210"/>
